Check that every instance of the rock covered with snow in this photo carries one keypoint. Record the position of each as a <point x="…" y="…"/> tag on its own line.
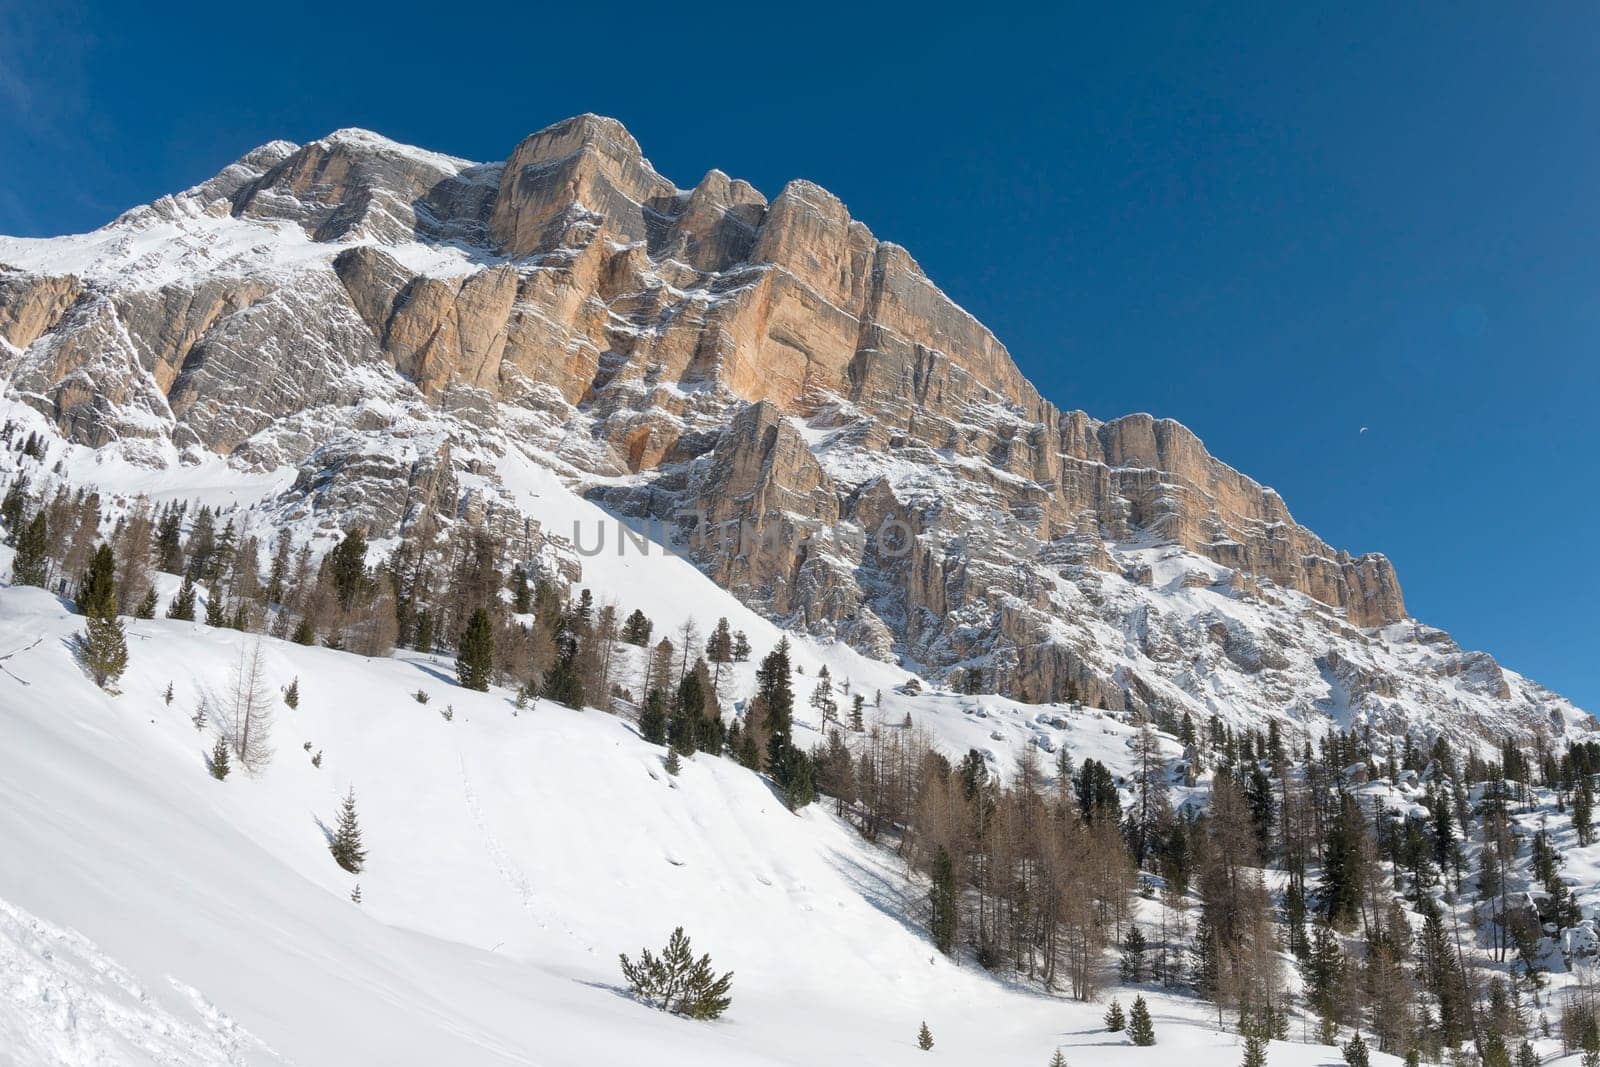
<point x="861" y="458"/>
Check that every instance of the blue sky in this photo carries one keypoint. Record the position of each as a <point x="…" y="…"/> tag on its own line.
<point x="1275" y="226"/>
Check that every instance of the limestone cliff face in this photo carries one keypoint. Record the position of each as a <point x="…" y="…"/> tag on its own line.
<point x="770" y="367"/>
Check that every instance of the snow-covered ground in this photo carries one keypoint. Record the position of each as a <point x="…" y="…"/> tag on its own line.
<point x="149" y="913"/>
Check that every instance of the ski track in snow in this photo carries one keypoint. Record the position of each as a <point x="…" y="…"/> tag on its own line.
<point x="70" y="1004"/>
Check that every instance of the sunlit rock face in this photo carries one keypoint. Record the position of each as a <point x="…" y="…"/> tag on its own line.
<point x="839" y="442"/>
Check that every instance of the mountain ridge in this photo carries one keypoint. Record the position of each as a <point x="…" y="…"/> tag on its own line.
<point x="654" y="341"/>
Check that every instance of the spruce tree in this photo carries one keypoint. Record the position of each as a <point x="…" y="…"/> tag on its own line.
<point x="304" y="632"/>
<point x="147" y="605"/>
<point x="182" y="606"/>
<point x="636" y="631"/>
<point x="475" y="652"/>
<point x="925" y="1037"/>
<point x="219" y="758"/>
<point x="1140" y="1028"/>
<point x="1116" y="1021"/>
<point x="1133" y="947"/>
<point x="653" y="720"/>
<point x="291" y="695"/>
<point x="1355" y="1052"/>
<point x="672" y="763"/>
<point x="346" y="845"/>
<point x="97" y="593"/>
<point x="216" y="614"/>
<point x="14" y="508"/>
<point x="1058" y="1060"/>
<point x="1255" y="1050"/>
<point x="31" y="564"/>
<point x="103" y="648"/>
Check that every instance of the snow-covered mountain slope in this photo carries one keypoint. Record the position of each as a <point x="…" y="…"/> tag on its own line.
<point x="151" y="914"/>
<point x="355" y="331"/>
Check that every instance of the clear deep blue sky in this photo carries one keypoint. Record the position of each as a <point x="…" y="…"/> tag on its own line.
<point x="1277" y="227"/>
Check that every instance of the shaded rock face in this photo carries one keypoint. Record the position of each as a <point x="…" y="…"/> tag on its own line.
<point x="844" y="447"/>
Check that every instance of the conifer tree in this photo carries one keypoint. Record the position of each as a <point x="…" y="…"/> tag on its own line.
<point x="346" y="846"/>
<point x="291" y="695"/>
<point x="31" y="564"/>
<point x="925" y="1037"/>
<point x="304" y="632"/>
<point x="677" y="982"/>
<point x="14" y="508"/>
<point x="741" y="647"/>
<point x="147" y="605"/>
<point x="1058" y="1060"/>
<point x="182" y="606"/>
<point x="355" y="894"/>
<point x="216" y="614"/>
<point x="636" y="630"/>
<point x="653" y="720"/>
<point x="97" y="593"/>
<point x="1255" y="1049"/>
<point x="475" y="652"/>
<point x="1116" y="1021"/>
<point x="1355" y="1052"/>
<point x="672" y="763"/>
<point x="347" y="566"/>
<point x="219" y="757"/>
<point x="103" y="648"/>
<point x="1133" y="947"/>
<point x="1140" y="1029"/>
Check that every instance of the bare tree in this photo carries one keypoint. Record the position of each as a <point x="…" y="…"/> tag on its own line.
<point x="246" y="710"/>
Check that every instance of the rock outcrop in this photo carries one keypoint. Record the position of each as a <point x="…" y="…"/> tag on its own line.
<point x="856" y="454"/>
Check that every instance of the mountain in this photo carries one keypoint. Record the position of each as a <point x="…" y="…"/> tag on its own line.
<point x="354" y="331"/>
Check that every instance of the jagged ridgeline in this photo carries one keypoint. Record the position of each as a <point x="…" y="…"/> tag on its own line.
<point x="380" y="336"/>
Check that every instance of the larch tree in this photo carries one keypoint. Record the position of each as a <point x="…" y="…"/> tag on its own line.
<point x="245" y="715"/>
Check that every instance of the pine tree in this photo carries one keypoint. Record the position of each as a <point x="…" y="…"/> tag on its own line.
<point x="182" y="606"/>
<point x="653" y="720"/>
<point x="1116" y="1021"/>
<point x="97" y="592"/>
<point x="347" y="566"/>
<point x="14" y="507"/>
<point x="355" y="894"/>
<point x="31" y="564"/>
<point x="219" y="757"/>
<point x="1255" y="1050"/>
<point x="216" y="614"/>
<point x="1140" y="1029"/>
<point x="291" y="695"/>
<point x="677" y="982"/>
<point x="1355" y="1052"/>
<point x="636" y="631"/>
<point x="103" y="649"/>
<point x="1058" y="1060"/>
<point x="1133" y="947"/>
<point x="1526" y="1056"/>
<point x="925" y="1037"/>
<point x="346" y="845"/>
<point x="304" y="632"/>
<point x="672" y="763"/>
<point x="475" y="652"/>
<point x="147" y="605"/>
<point x="166" y="695"/>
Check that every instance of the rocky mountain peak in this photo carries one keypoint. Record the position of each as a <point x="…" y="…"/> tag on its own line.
<point x="772" y="368"/>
